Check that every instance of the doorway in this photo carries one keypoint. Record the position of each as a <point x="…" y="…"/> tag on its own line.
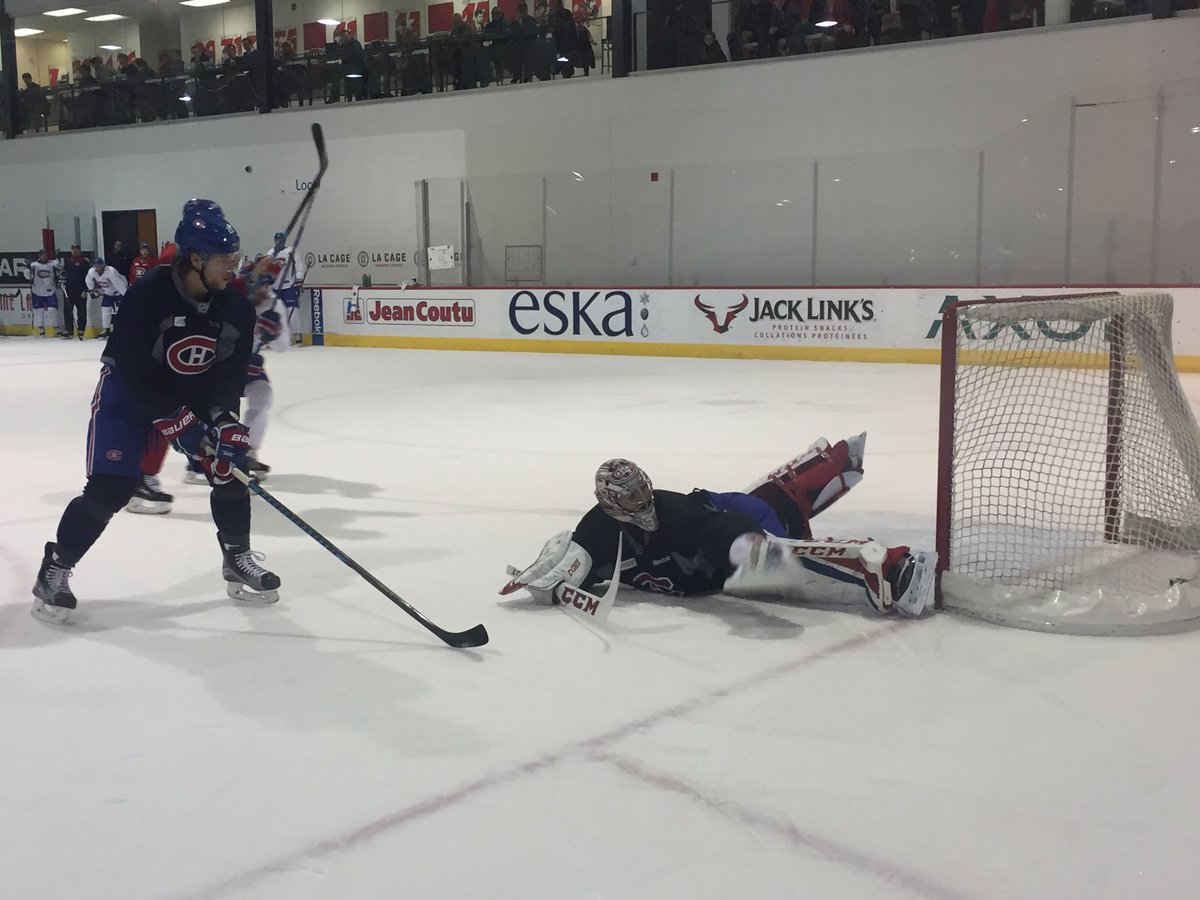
<point x="130" y="227"/>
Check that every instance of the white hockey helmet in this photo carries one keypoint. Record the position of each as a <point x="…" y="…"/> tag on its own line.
<point x="626" y="494"/>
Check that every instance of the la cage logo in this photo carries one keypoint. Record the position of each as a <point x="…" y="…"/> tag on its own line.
<point x="381" y="258"/>
<point x="338" y="260"/>
<point x="721" y="319"/>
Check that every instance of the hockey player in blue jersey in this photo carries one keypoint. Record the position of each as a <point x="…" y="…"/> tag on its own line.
<point x="177" y="363"/>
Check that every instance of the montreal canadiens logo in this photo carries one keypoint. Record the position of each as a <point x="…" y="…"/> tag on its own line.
<point x="192" y="355"/>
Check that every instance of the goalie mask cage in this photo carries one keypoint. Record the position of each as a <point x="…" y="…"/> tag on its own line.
<point x="1068" y="466"/>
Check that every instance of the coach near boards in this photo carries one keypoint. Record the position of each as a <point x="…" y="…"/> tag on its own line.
<point x="176" y="363"/>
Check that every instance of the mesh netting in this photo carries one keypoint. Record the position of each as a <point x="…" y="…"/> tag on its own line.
<point x="1075" y="487"/>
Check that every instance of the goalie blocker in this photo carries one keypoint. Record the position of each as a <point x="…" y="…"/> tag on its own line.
<point x="744" y="543"/>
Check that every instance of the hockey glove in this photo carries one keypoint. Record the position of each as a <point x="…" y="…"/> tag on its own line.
<point x="183" y="431"/>
<point x="232" y="443"/>
<point x="269" y="326"/>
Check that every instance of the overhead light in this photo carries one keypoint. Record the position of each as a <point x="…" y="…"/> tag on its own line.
<point x="26" y="32"/>
<point x="202" y="2"/>
<point x="353" y="75"/>
<point x="828" y="23"/>
<point x="68" y="11"/>
<point x="107" y="17"/>
<point x="1196" y="130"/>
<point x="109" y="47"/>
<point x="186" y="98"/>
<point x="328" y="22"/>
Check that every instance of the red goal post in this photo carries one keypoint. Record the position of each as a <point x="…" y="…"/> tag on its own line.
<point x="1068" y="466"/>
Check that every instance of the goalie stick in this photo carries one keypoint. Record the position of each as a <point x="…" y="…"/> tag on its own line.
<point x="472" y="637"/>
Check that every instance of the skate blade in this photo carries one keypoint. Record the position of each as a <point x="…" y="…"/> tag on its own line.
<point x="190" y="477"/>
<point x="920" y="589"/>
<point x="243" y="594"/>
<point x="148" y="507"/>
<point x="44" y="612"/>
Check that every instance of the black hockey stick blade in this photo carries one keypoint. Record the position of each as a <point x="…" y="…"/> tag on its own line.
<point x="472" y="637"/>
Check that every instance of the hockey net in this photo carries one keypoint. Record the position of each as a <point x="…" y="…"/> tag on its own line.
<point x="1068" y="466"/>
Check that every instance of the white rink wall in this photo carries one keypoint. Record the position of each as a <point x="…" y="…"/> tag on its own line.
<point x="940" y="163"/>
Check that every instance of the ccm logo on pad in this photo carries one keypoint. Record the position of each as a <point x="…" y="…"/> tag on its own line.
<point x="192" y="355"/>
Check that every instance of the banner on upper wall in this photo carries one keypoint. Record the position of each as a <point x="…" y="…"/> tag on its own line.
<point x="864" y="324"/>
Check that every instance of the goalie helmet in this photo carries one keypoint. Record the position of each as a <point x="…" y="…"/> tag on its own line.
<point x="626" y="494"/>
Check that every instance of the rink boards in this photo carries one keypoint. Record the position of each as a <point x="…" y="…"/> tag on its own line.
<point x="853" y="324"/>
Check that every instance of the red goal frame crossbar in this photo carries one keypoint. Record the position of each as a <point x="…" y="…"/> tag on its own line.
<point x="946" y="403"/>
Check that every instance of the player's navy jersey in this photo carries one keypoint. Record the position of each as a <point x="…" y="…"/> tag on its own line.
<point x="688" y="554"/>
<point x="168" y="349"/>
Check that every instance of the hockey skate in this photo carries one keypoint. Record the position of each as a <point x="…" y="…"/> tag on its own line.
<point x="107" y="332"/>
<point x="149" y="498"/>
<point x="194" y="474"/>
<point x="912" y="582"/>
<point x="258" y="471"/>
<point x="245" y="579"/>
<point x="53" y="598"/>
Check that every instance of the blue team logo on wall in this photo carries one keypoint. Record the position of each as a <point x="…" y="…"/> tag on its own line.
<point x="192" y="355"/>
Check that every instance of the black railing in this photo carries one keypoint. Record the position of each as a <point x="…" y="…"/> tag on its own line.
<point x="433" y="64"/>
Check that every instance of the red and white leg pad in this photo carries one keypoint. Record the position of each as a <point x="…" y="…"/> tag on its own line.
<point x="815" y="479"/>
<point x="826" y="571"/>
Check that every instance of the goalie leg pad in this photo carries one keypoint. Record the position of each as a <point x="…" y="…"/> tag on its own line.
<point x="820" y="571"/>
<point x="812" y="482"/>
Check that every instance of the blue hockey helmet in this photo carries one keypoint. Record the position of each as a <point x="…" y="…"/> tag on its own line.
<point x="206" y="231"/>
<point x="196" y="205"/>
<point x="281" y="235"/>
<point x="97" y="261"/>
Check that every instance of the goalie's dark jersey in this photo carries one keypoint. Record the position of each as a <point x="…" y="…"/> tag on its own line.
<point x="688" y="554"/>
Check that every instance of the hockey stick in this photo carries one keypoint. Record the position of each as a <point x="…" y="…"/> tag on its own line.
<point x="306" y="204"/>
<point x="311" y="193"/>
<point x="472" y="637"/>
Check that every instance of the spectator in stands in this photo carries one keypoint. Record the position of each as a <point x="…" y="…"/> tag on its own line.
<point x="32" y="105"/>
<point x="712" y="49"/>
<point x="585" y="49"/>
<point x="351" y="67"/>
<point x="499" y="48"/>
<point x="524" y="31"/>
<point x="289" y="75"/>
<point x="562" y="26"/>
<point x="200" y="59"/>
<point x="416" y="77"/>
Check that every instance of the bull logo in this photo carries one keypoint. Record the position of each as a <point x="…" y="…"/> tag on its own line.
<point x="728" y="315"/>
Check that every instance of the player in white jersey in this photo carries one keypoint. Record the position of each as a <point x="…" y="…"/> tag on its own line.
<point x="290" y="279"/>
<point x="107" y="282"/>
<point x="43" y="276"/>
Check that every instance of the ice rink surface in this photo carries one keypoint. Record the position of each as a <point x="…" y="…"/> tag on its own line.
<point x="169" y="744"/>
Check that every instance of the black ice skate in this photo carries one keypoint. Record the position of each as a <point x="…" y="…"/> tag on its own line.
<point x="54" y="600"/>
<point x="149" y="498"/>
<point x="107" y="332"/>
<point x="257" y="470"/>
<point x="245" y="579"/>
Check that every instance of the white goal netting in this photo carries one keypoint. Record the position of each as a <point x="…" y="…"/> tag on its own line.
<point x="1069" y="495"/>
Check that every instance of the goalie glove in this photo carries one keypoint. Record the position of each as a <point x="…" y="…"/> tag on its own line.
<point x="561" y="561"/>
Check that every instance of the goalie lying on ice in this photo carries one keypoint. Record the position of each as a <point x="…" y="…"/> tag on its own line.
<point x="757" y="541"/>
